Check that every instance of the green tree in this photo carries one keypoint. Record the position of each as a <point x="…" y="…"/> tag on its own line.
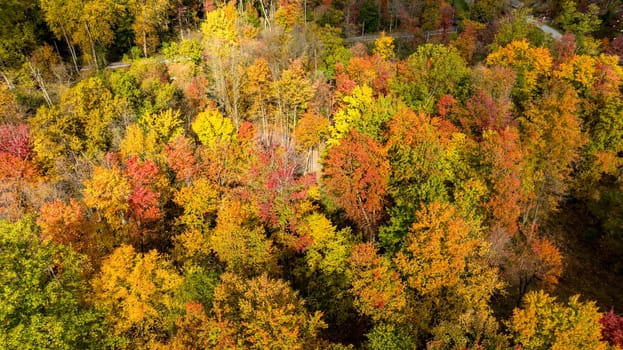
<point x="42" y="291"/>
<point x="428" y="74"/>
<point x="18" y="34"/>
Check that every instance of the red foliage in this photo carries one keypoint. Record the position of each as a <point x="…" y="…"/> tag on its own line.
<point x="564" y="49"/>
<point x="446" y="105"/>
<point x="14" y="167"/>
<point x="504" y="155"/>
<point x="342" y="81"/>
<point x="274" y="184"/>
<point x="356" y="173"/>
<point x="612" y="328"/>
<point x="616" y="47"/>
<point x="487" y="112"/>
<point x="143" y="199"/>
<point x="246" y="132"/>
<point x="14" y="140"/>
<point x="181" y="158"/>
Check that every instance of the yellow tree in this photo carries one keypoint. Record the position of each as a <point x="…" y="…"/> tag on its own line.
<point x="530" y="63"/>
<point x="384" y="47"/>
<point x="136" y="292"/>
<point x="554" y="137"/>
<point x="446" y="266"/>
<point x="542" y="323"/>
<point x="225" y="58"/>
<point x="266" y="313"/>
<point x="292" y="93"/>
<point x="108" y="191"/>
<point x="150" y="16"/>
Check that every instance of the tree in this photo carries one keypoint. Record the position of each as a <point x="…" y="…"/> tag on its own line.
<point x="580" y="24"/>
<point x="530" y="63"/>
<point x="150" y="16"/>
<point x="384" y="47"/>
<point x="83" y="123"/>
<point x="502" y="165"/>
<point x="136" y="293"/>
<point x="148" y="187"/>
<point x="428" y="74"/>
<point x="515" y="27"/>
<point x="324" y="271"/>
<point x="265" y="313"/>
<point x="108" y="191"/>
<point x="363" y="112"/>
<point x="428" y="163"/>
<point x="20" y="179"/>
<point x="437" y="249"/>
<point x="197" y="330"/>
<point x="377" y="287"/>
<point x="88" y="24"/>
<point x="259" y="94"/>
<point x="310" y="133"/>
<point x="239" y="242"/>
<point x="43" y="294"/>
<point x="612" y="328"/>
<point x="66" y="224"/>
<point x="485" y="11"/>
<point x="554" y="137"/>
<point x="490" y="106"/>
<point x="276" y="186"/>
<point x="225" y="59"/>
<point x="292" y="93"/>
<point x="446" y="263"/>
<point x="213" y="129"/>
<point x="18" y="34"/>
<point x="542" y="323"/>
<point x="355" y="174"/>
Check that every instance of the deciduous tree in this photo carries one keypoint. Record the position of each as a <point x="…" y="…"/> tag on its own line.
<point x="355" y="174"/>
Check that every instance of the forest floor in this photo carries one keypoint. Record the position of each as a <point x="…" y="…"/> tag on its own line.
<point x="591" y="268"/>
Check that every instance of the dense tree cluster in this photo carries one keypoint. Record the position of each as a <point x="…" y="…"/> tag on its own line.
<point x="247" y="179"/>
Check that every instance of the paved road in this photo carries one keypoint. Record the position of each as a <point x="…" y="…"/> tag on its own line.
<point x="399" y="35"/>
<point x="545" y="28"/>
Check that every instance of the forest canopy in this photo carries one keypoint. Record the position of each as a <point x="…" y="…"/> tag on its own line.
<point x="341" y="174"/>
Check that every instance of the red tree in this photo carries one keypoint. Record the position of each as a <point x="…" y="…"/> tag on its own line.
<point x="612" y="328"/>
<point x="356" y="173"/>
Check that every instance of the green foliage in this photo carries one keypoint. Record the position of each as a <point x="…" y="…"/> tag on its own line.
<point x="428" y="163"/>
<point x="385" y="336"/>
<point x="42" y="292"/>
<point x="515" y="27"/>
<point x="325" y="271"/>
<point x="18" y="31"/>
<point x="430" y="73"/>
<point x="334" y="50"/>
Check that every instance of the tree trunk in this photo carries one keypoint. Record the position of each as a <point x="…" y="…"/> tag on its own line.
<point x="145" y="43"/>
<point x="37" y="76"/>
<point x="7" y="80"/>
<point x="93" y="51"/>
<point x="72" y="50"/>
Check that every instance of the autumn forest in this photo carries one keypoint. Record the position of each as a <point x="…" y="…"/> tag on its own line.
<point x="311" y="174"/>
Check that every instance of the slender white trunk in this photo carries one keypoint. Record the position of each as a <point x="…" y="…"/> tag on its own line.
<point x="93" y="51"/>
<point x="72" y="50"/>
